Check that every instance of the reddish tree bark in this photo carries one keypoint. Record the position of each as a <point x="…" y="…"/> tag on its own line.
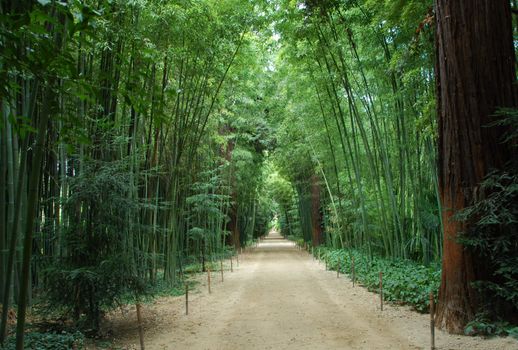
<point x="316" y="215"/>
<point x="475" y="76"/>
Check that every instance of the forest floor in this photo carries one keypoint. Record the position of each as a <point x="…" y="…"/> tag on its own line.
<point x="280" y="298"/>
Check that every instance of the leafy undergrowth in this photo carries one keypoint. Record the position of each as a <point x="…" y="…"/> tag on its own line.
<point x="485" y="326"/>
<point x="191" y="266"/>
<point x="298" y="241"/>
<point x="404" y="281"/>
<point x="53" y="332"/>
<point x="158" y="289"/>
<point x="50" y="341"/>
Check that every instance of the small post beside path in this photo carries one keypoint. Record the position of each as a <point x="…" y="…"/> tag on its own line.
<point x="186" y="299"/>
<point x="381" y="290"/>
<point x="208" y="278"/>
<point x="231" y="265"/>
<point x="352" y="269"/>
<point x="221" y="268"/>
<point x="338" y="268"/>
<point x="325" y="259"/>
<point x="432" y="320"/>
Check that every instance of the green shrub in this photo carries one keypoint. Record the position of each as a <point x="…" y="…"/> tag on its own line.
<point x="49" y="341"/>
<point x="98" y="265"/>
<point x="296" y="239"/>
<point x="486" y="326"/>
<point x="404" y="281"/>
<point x="492" y="235"/>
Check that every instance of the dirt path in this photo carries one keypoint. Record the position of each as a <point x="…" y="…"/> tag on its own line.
<point x="279" y="298"/>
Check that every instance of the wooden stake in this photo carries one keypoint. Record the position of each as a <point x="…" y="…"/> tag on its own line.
<point x="338" y="268"/>
<point x="352" y="269"/>
<point x="140" y="329"/>
<point x="186" y="299"/>
<point x="432" y="320"/>
<point x="231" y="265"/>
<point x="381" y="290"/>
<point x="237" y="257"/>
<point x="221" y="268"/>
<point x="208" y="278"/>
<point x="325" y="258"/>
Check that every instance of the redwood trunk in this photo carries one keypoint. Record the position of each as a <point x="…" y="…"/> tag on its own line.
<point x="233" y="223"/>
<point x="316" y="216"/>
<point x="475" y="76"/>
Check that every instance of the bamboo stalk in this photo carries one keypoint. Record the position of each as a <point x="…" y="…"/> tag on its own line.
<point x="8" y="287"/>
<point x="3" y="206"/>
<point x="31" y="213"/>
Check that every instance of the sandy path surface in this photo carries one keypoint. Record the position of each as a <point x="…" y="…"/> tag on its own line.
<point x="280" y="298"/>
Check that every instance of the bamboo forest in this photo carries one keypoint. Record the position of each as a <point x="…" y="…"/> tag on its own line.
<point x="258" y="174"/>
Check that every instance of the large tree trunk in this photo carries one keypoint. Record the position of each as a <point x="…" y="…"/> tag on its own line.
<point x="316" y="214"/>
<point x="475" y="76"/>
<point x="233" y="223"/>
